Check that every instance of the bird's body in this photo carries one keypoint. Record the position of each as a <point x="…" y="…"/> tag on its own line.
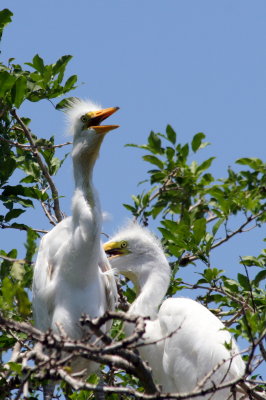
<point x="187" y="342"/>
<point x="70" y="273"/>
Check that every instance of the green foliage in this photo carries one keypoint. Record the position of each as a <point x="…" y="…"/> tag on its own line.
<point x="5" y="19"/>
<point x="195" y="212"/>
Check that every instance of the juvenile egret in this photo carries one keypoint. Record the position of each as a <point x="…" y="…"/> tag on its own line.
<point x="188" y="341"/>
<point x="71" y="274"/>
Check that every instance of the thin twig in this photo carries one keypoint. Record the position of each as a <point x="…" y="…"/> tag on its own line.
<point x="238" y="299"/>
<point x="48" y="215"/>
<point x="15" y="260"/>
<point x="22" y="228"/>
<point x="188" y="258"/>
<point x="28" y="147"/>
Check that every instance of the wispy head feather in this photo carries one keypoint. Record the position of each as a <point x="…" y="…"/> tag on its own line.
<point x="75" y="108"/>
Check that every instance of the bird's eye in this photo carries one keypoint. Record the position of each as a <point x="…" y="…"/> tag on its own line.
<point x="123" y="244"/>
<point x="83" y="118"/>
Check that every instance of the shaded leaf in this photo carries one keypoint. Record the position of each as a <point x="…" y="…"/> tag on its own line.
<point x="153" y="160"/>
<point x="6" y="82"/>
<point x="20" y="90"/>
<point x="15" y="213"/>
<point x="244" y="281"/>
<point x="197" y="140"/>
<point x="171" y="134"/>
<point x="5" y="19"/>
<point x="38" y="64"/>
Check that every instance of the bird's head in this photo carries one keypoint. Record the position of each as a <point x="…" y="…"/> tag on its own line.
<point x="86" y="116"/>
<point x="85" y="123"/>
<point x="136" y="253"/>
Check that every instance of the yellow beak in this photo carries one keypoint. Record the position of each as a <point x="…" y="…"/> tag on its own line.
<point x="114" y="249"/>
<point x="96" y="117"/>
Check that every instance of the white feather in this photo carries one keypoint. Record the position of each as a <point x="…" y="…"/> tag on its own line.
<point x="187" y="340"/>
<point x="75" y="109"/>
<point x="68" y="276"/>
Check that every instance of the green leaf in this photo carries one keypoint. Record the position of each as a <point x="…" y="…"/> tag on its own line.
<point x="65" y="104"/>
<point x="153" y="160"/>
<point x="244" y="281"/>
<point x="38" y="64"/>
<point x="217" y="225"/>
<point x="129" y="207"/>
<point x="15" y="367"/>
<point x="184" y="151"/>
<point x="20" y="90"/>
<point x="199" y="230"/>
<point x="6" y="82"/>
<point x="197" y="140"/>
<point x="154" y="143"/>
<point x="61" y="64"/>
<point x="205" y="165"/>
<point x="259" y="277"/>
<point x="171" y="134"/>
<point x="15" y="213"/>
<point x="253" y="163"/>
<point x="71" y="81"/>
<point x="5" y="19"/>
<point x="211" y="274"/>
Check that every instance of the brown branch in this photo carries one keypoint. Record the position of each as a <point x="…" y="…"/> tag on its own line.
<point x="22" y="228"/>
<point x="28" y="147"/>
<point x="241" y="300"/>
<point x="13" y="260"/>
<point x="122" y="348"/>
<point x="78" y="385"/>
<point x="123" y="358"/>
<point x="54" y="364"/>
<point x="187" y="258"/>
<point x="230" y="321"/>
<point x="43" y="167"/>
<point x="48" y="215"/>
<point x="239" y="230"/>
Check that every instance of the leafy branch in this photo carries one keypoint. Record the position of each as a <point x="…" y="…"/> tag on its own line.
<point x="43" y="167"/>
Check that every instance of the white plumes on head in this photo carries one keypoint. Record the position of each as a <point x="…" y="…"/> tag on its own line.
<point x="143" y="238"/>
<point x="75" y="109"/>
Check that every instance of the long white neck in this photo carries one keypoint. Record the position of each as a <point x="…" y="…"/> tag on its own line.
<point x="153" y="282"/>
<point x="86" y="212"/>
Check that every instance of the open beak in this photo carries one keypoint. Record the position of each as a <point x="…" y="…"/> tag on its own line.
<point x="96" y="117"/>
<point x="114" y="249"/>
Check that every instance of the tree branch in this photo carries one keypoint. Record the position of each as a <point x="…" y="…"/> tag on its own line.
<point x="189" y="258"/>
<point x="43" y="167"/>
<point x="28" y="147"/>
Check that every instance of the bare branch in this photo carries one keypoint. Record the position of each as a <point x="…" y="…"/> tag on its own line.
<point x="13" y="260"/>
<point x="239" y="230"/>
<point x="189" y="258"/>
<point x="22" y="228"/>
<point x="239" y="299"/>
<point x="48" y="215"/>
<point x="50" y="364"/>
<point x="28" y="147"/>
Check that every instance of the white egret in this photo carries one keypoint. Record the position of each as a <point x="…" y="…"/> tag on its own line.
<point x="188" y="341"/>
<point x="70" y="275"/>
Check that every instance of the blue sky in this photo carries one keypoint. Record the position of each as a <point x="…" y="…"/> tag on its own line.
<point x="198" y="65"/>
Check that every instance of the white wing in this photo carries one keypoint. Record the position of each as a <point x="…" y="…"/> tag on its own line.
<point x="45" y="273"/>
<point x="197" y="348"/>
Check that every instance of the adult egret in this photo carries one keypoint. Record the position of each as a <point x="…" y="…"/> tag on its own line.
<point x="71" y="274"/>
<point x="188" y="341"/>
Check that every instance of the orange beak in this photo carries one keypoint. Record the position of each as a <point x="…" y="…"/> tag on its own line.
<point x="96" y="117"/>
